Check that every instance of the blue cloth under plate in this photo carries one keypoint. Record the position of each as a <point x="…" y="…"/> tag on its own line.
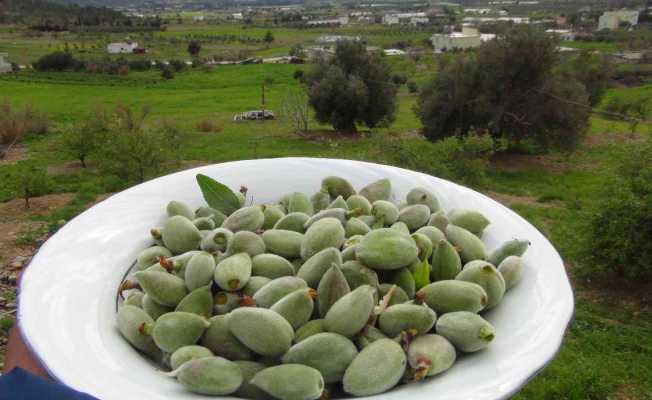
<point x="19" y="384"/>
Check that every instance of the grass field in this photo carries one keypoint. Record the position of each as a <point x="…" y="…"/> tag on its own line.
<point x="607" y="353"/>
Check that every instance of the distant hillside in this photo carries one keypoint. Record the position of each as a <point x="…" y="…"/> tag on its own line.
<point x="49" y="16"/>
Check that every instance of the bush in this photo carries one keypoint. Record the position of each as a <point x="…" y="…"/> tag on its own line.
<point x="618" y="238"/>
<point x="15" y="123"/>
<point x="463" y="160"/>
<point x="399" y="79"/>
<point x="87" y="137"/>
<point x="140" y="65"/>
<point x="207" y="125"/>
<point x="58" y="61"/>
<point x="29" y="180"/>
<point x="177" y="65"/>
<point x="412" y="86"/>
<point x="134" y="151"/>
<point x="166" y="73"/>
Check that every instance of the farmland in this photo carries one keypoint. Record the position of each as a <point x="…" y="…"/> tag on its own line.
<point x="607" y="353"/>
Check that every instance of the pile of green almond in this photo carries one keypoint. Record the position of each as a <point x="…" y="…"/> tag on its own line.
<point x="336" y="294"/>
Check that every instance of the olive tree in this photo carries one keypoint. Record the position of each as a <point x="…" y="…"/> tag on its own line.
<point x="353" y="87"/>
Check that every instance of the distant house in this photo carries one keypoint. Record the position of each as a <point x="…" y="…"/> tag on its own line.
<point x="467" y="39"/>
<point x="612" y="19"/>
<point x="329" y="22"/>
<point x="562" y="34"/>
<point x="121" y="48"/>
<point x="337" y="38"/>
<point x="406" y="18"/>
<point x="394" y="52"/>
<point x="237" y="16"/>
<point x="5" y="66"/>
<point x="198" y="18"/>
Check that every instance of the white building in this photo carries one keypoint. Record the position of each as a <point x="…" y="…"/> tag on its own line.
<point x="237" y="16"/>
<point x="198" y="18"/>
<point x="117" y="48"/>
<point x="336" y="21"/>
<point x="5" y="66"/>
<point x="337" y="38"/>
<point x="562" y="34"/>
<point x="516" y="20"/>
<point x="405" y="18"/>
<point x="612" y="19"/>
<point x="467" y="39"/>
<point x="394" y="52"/>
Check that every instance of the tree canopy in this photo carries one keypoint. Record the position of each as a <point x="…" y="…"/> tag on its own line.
<point x="352" y="87"/>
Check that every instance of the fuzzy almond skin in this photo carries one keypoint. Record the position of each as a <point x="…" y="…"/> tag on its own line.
<point x="153" y="309"/>
<point x="271" y="266"/>
<point x="514" y="247"/>
<point x="199" y="271"/>
<point x="433" y="233"/>
<point x="247" y="390"/>
<point x="254" y="284"/>
<point x="329" y="353"/>
<point x="355" y="226"/>
<point x="316" y="266"/>
<point x="261" y="330"/>
<point x="387" y="249"/>
<point x="180" y="235"/>
<point x="290" y="382"/>
<point x="219" y="339"/>
<point x="467" y="331"/>
<point x="331" y="288"/>
<point x="336" y="186"/>
<point x="187" y="353"/>
<point x="339" y="202"/>
<point x="360" y="203"/>
<point x="272" y="215"/>
<point x="471" y="220"/>
<point x="446" y="262"/>
<point x="385" y="211"/>
<point x="378" y="190"/>
<point x="210" y="375"/>
<point x="199" y="301"/>
<point x="150" y="256"/>
<point x="320" y="201"/>
<point x="293" y="222"/>
<point x="246" y="242"/>
<point x="402" y="317"/>
<point x="283" y="243"/>
<point x="177" y="329"/>
<point x="487" y="276"/>
<point x="398" y="295"/>
<point x="350" y="313"/>
<point x="438" y="220"/>
<point x="134" y="298"/>
<point x="454" y="295"/>
<point x="469" y="245"/>
<point x="233" y="272"/>
<point x="325" y="233"/>
<point x="217" y="216"/>
<point x="357" y="274"/>
<point x="276" y="289"/>
<point x="425" y="197"/>
<point x="309" y="329"/>
<point x="414" y="216"/>
<point x="512" y="270"/>
<point x="295" y="307"/>
<point x="404" y="279"/>
<point x="129" y="321"/>
<point x="299" y="202"/>
<point x="245" y="219"/>
<point x="216" y="241"/>
<point x="164" y="288"/>
<point x="433" y="352"/>
<point x="376" y="369"/>
<point x="179" y="208"/>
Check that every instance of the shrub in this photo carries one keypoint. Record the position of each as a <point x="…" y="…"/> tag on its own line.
<point x="166" y="73"/>
<point x="16" y="123"/>
<point x="618" y="242"/>
<point x="29" y="180"/>
<point x="459" y="159"/>
<point x="208" y="125"/>
<point x="134" y="151"/>
<point x="87" y="137"/>
<point x="177" y="65"/>
<point x="140" y="65"/>
<point x="412" y="86"/>
<point x="399" y="79"/>
<point x="58" y="61"/>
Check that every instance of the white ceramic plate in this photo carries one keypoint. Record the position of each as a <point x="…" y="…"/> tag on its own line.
<point x="67" y="298"/>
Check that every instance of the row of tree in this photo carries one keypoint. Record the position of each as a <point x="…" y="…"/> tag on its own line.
<point x="516" y="88"/>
